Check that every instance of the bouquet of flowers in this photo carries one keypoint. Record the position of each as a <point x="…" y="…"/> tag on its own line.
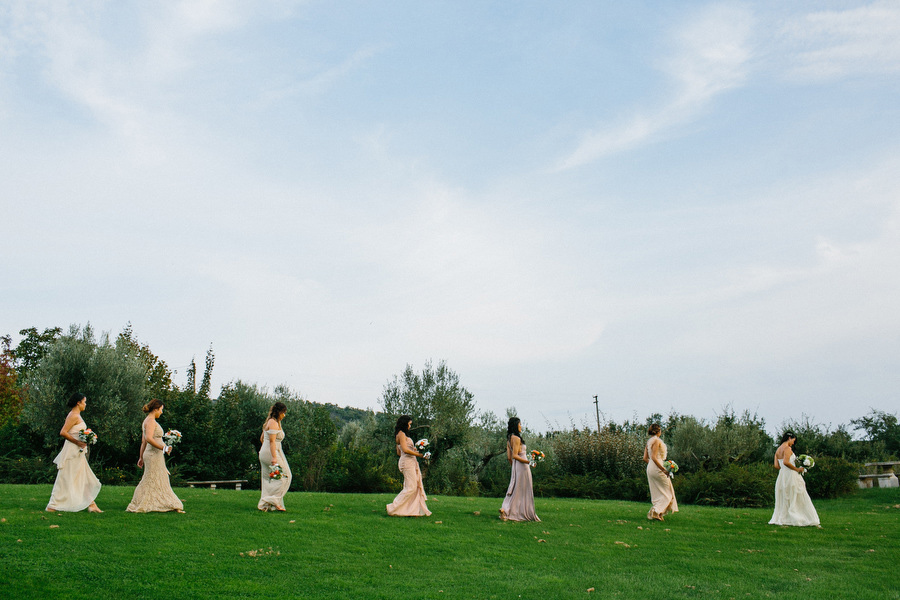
<point x="536" y="457"/>
<point x="806" y="461"/>
<point x="172" y="437"/>
<point x="88" y="437"/>
<point x="420" y="447"/>
<point x="275" y="472"/>
<point x="672" y="467"/>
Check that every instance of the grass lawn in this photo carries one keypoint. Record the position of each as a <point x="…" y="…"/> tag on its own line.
<point x="344" y="546"/>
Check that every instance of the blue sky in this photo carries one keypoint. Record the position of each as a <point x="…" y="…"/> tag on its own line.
<point x="676" y="206"/>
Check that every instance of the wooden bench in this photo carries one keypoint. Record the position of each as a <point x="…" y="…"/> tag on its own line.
<point x="212" y="484"/>
<point x="883" y="480"/>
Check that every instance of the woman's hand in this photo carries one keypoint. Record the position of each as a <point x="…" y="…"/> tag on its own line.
<point x="81" y="444"/>
<point x="140" y="462"/>
<point x="167" y="449"/>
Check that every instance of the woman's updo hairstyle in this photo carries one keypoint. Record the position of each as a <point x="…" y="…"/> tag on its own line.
<point x="75" y="399"/>
<point x="152" y="405"/>
<point x="654" y="429"/>
<point x="788" y="435"/>
<point x="278" y="409"/>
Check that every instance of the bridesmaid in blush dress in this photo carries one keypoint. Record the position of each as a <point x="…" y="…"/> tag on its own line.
<point x="76" y="487"/>
<point x="154" y="492"/>
<point x="410" y="502"/>
<point x="662" y="494"/>
<point x="518" y="505"/>
<point x="272" y="491"/>
<point x="792" y="503"/>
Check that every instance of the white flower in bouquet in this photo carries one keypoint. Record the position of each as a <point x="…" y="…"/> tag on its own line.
<point x="275" y="472"/>
<point x="421" y="445"/>
<point x="172" y="437"/>
<point x="806" y="461"/>
<point x="88" y="437"/>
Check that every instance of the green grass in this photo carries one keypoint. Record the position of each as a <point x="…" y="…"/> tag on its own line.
<point x="344" y="546"/>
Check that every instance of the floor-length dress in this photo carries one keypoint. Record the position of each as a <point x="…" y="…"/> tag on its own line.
<point x="662" y="493"/>
<point x="792" y="503"/>
<point x="76" y="487"/>
<point x="154" y="492"/>
<point x="272" y="491"/>
<point x="518" y="505"/>
<point x="410" y="502"/>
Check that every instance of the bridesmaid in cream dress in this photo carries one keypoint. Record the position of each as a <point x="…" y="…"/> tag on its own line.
<point x="518" y="505"/>
<point x="76" y="487"/>
<point x="792" y="503"/>
<point x="662" y="494"/>
<point x="270" y="454"/>
<point x="154" y="492"/>
<point x="410" y="502"/>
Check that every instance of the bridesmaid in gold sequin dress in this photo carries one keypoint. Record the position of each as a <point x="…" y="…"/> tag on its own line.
<point x="154" y="492"/>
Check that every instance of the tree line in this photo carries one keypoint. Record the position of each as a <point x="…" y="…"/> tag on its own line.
<point x="331" y="448"/>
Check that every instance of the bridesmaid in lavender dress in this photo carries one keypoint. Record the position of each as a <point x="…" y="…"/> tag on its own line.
<point x="410" y="502"/>
<point x="76" y="486"/>
<point x="519" y="502"/>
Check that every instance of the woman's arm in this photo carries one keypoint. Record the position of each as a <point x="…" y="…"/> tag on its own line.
<point x="646" y="456"/>
<point x="775" y="464"/>
<point x="64" y="432"/>
<point x="787" y="462"/>
<point x="140" y="462"/>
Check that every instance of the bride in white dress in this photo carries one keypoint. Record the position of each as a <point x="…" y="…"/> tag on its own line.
<point x="792" y="503"/>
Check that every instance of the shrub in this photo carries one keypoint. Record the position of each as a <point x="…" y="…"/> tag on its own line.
<point x="592" y="487"/>
<point x="831" y="477"/>
<point x="27" y="470"/>
<point x="611" y="454"/>
<point x="733" y="486"/>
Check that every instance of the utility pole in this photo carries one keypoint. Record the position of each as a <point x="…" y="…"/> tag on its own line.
<point x="597" y="406"/>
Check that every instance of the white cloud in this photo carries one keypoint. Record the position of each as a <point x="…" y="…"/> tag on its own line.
<point x="833" y="44"/>
<point x="710" y="57"/>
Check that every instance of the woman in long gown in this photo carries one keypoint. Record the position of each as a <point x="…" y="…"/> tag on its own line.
<point x="272" y="491"/>
<point x="410" y="502"/>
<point x="518" y="505"/>
<point x="792" y="503"/>
<point x="76" y="487"/>
<point x="154" y="492"/>
<point x="662" y="494"/>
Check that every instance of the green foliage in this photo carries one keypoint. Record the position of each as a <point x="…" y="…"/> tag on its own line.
<point x="441" y="409"/>
<point x="610" y="454"/>
<point x="819" y="440"/>
<point x="27" y="470"/>
<point x="734" y="486"/>
<point x="33" y="347"/>
<point x="10" y="394"/>
<point x="112" y="380"/>
<point x="159" y="376"/>
<point x="593" y="487"/>
<point x="696" y="445"/>
<point x="881" y="427"/>
<point x="832" y="477"/>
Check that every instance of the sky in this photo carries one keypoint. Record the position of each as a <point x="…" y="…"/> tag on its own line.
<point x="686" y="207"/>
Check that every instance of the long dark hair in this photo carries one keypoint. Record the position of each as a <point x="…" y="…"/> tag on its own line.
<point x="402" y="425"/>
<point x="512" y="428"/>
<point x="787" y="435"/>
<point x="75" y="399"/>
